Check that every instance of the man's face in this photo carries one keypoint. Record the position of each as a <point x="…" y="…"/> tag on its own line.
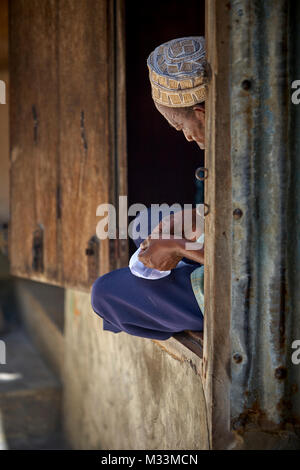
<point x="190" y="121"/>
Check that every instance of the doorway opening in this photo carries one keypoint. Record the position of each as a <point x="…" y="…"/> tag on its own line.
<point x="161" y="163"/>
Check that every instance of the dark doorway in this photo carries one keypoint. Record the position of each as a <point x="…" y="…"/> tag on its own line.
<point x="161" y="163"/>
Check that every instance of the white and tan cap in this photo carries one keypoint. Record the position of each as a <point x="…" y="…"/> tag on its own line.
<point x="178" y="72"/>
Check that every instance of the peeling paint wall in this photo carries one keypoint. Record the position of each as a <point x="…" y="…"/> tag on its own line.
<point x="125" y="392"/>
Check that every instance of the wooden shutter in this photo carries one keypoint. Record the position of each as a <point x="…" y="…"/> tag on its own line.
<point x="67" y="137"/>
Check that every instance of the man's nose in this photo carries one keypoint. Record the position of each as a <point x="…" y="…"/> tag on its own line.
<point x="188" y="136"/>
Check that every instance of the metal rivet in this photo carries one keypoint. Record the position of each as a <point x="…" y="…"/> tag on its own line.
<point x="280" y="373"/>
<point x="203" y="170"/>
<point x="237" y="358"/>
<point x="237" y="213"/>
<point x="206" y="210"/>
<point x="246" y="85"/>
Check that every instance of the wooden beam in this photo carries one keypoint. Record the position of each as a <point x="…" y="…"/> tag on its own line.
<point x="216" y="355"/>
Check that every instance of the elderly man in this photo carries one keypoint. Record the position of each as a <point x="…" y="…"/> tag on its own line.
<point x="159" y="308"/>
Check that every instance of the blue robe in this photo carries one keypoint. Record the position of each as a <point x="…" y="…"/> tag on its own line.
<point x="149" y="308"/>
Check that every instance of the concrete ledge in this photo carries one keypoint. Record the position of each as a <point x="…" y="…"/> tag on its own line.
<point x="181" y="353"/>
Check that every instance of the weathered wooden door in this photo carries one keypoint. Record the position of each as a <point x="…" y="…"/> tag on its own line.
<point x="67" y="137"/>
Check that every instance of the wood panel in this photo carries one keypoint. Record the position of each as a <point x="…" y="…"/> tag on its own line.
<point x="34" y="137"/>
<point x="84" y="133"/>
<point x="3" y="34"/>
<point x="64" y="149"/>
<point x="216" y="354"/>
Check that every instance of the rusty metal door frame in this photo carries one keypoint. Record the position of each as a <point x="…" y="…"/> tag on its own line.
<point x="265" y="254"/>
<point x="252" y="237"/>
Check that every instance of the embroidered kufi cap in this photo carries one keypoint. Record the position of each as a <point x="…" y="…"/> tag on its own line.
<point x="178" y="72"/>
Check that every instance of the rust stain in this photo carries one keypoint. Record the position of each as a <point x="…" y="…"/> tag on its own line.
<point x="253" y="418"/>
<point x="179" y="358"/>
<point x="76" y="310"/>
<point x="281" y="373"/>
<point x="294" y="388"/>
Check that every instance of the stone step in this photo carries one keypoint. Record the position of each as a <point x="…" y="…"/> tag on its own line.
<point x="30" y="396"/>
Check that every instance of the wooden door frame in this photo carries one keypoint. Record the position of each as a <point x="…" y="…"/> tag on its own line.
<point x="216" y="354"/>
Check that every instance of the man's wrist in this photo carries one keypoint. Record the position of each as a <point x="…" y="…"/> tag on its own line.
<point x="179" y="244"/>
<point x="190" y="250"/>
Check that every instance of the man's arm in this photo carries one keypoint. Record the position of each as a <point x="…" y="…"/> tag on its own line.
<point x="165" y="254"/>
<point x="193" y="251"/>
<point x="184" y="224"/>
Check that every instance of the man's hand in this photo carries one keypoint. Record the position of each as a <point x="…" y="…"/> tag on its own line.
<point x="161" y="254"/>
<point x="184" y="224"/>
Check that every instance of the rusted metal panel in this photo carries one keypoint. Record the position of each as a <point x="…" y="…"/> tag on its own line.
<point x="265" y="316"/>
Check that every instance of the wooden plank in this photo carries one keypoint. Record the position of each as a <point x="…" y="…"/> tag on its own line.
<point x="68" y="151"/>
<point x="33" y="140"/>
<point x="192" y="340"/>
<point x="118" y="256"/>
<point x="84" y="134"/>
<point x="120" y="117"/>
<point x="216" y="356"/>
<point x="92" y="134"/>
<point x="3" y="35"/>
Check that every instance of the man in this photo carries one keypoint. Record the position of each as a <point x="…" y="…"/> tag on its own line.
<point x="158" y="309"/>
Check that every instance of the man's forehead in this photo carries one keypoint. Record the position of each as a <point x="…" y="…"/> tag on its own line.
<point x="171" y="114"/>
